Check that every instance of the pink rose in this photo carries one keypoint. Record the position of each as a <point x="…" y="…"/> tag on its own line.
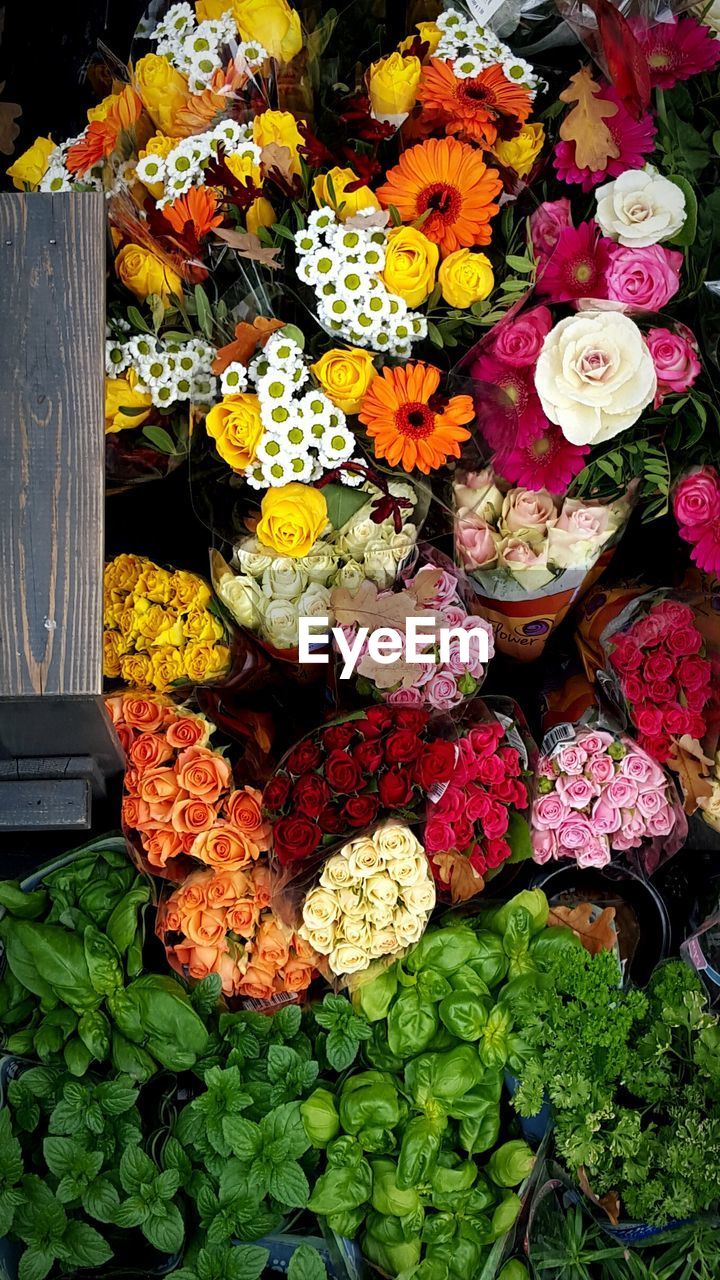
<point x="622" y="792"/>
<point x="439" y="836"/>
<point x="583" y="520"/>
<point x="452" y="803"/>
<point x="658" y="666"/>
<point x="545" y="768"/>
<point x="650" y="630"/>
<point x="496" y="821"/>
<point x="513" y="551"/>
<point x="651" y="802"/>
<point x="475" y="541"/>
<point x="605" y="817"/>
<point x="574" y="833"/>
<point x="546" y="224"/>
<point x="519" y="341"/>
<point x="526" y="509"/>
<point x="549" y="811"/>
<point x="576" y="792"/>
<point x="405" y="697"/>
<point x="601" y="769"/>
<point x="571" y="759"/>
<point x="596" y="853"/>
<point x="662" y="823"/>
<point x="633" y="830"/>
<point x="453" y="615"/>
<point x="696" y="500"/>
<point x="644" y="771"/>
<point x="477" y="802"/>
<point x="595" y="741"/>
<point x="544" y="846"/>
<point x="684" y="641"/>
<point x="646" y="278"/>
<point x="675" y="357"/>
<point x="442" y="692"/>
<point x="446" y="589"/>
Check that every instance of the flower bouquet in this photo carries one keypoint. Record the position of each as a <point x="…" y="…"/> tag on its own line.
<point x="529" y="554"/>
<point x="474" y="820"/>
<point x="696" y="507"/>
<point x="598" y="793"/>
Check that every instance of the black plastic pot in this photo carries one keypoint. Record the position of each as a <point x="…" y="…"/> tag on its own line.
<point x="641" y="916"/>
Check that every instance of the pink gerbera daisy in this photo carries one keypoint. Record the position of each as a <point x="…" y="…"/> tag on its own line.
<point x="676" y="50"/>
<point x="546" y="461"/>
<point x="578" y="266"/>
<point x="516" y="414"/>
<point x="706" y="551"/>
<point x="634" y="139"/>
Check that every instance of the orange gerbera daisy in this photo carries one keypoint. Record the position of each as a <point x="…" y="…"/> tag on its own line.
<point x="405" y="427"/>
<point x="450" y="179"/>
<point x="479" y="108"/>
<point x="198" y="206"/>
<point x="98" y="141"/>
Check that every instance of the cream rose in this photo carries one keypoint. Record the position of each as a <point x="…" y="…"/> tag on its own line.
<point x="379" y="564"/>
<point x="347" y="958"/>
<point x="242" y="597"/>
<point x="336" y="873"/>
<point x="252" y="557"/>
<point x="381" y="889"/>
<point x="285" y="579"/>
<point x="358" y="536"/>
<point x="322" y="939"/>
<point x="408" y="870"/>
<point x="477" y="492"/>
<point x="580" y="534"/>
<point x="384" y="942"/>
<point x="320" y="909"/>
<point x="379" y="916"/>
<point x="351" y="904"/>
<point x="595" y="375"/>
<point x="321" y="563"/>
<point x="408" y="927"/>
<point x="527" y="514"/>
<point x="640" y="208"/>
<point x="364" y="858"/>
<point x="280" y="619"/>
<point x="314" y="601"/>
<point x="349" y="575"/>
<point x="709" y="16"/>
<point x="395" y="840"/>
<point x="357" y="932"/>
<point x="419" y="898"/>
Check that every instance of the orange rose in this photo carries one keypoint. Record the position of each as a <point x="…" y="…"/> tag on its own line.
<point x="244" y="810"/>
<point x="114" y="707"/>
<point x="225" y="888"/>
<point x="242" y="918"/>
<point x="160" y="845"/>
<point x="192" y="815"/>
<point x="159" y="788"/>
<point x="126" y="736"/>
<point x="271" y="945"/>
<point x="143" y="712"/>
<point x="204" y="773"/>
<point x="135" y="812"/>
<point x="262" y="884"/>
<point x="199" y="961"/>
<point x="131" y="781"/>
<point x="191" y="895"/>
<point x="229" y="970"/>
<point x="149" y="749"/>
<point x="168" y="919"/>
<point x="205" y="927"/>
<point x="188" y="731"/>
<point x="304" y="951"/>
<point x="225" y="846"/>
<point x="257" y="982"/>
<point x="297" y="975"/>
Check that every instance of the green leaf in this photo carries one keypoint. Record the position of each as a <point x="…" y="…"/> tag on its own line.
<point x="519" y="264"/>
<point x="137" y="321"/>
<point x="686" y="235"/>
<point x="244" y="1137"/>
<point x="341" y="1049"/>
<point x="83" y="1246"/>
<point x="342" y="503"/>
<point x="434" y="334"/>
<point x="281" y="1061"/>
<point x="136" y="1168"/>
<point x="131" y="1213"/>
<point x="394" y="215"/>
<point x="287" y="1021"/>
<point x="518" y="837"/>
<point x="289" y="1185"/>
<point x="165" y="1231"/>
<point x="206" y="993"/>
<point x="35" y="1263"/>
<point x="247" y="1262"/>
<point x="100" y="1200"/>
<point x="204" y="311"/>
<point x="306" y="1264"/>
<point x="293" y="334"/>
<point x="160" y="439"/>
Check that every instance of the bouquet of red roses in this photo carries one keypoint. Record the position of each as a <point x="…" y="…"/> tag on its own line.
<point x="342" y="778"/>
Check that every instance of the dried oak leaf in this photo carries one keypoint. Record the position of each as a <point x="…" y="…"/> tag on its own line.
<point x="595" y="935"/>
<point x="458" y="875"/>
<point x="609" y="1203"/>
<point x="248" y="337"/>
<point x="689" y="762"/>
<point x="378" y="218"/>
<point x="274" y="156"/>
<point x="249" y="246"/>
<point x="9" y="130"/>
<point x="585" y="124"/>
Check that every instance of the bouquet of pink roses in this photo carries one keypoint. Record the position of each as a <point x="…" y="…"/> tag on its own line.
<point x="598" y="793"/>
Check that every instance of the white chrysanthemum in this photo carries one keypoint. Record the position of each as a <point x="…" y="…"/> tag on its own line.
<point x="201" y="69"/>
<point x="276" y="387"/>
<point x="151" y="168"/>
<point x="303" y="468"/>
<point x="251" y="54"/>
<point x="326" y="264"/>
<point x="177" y="21"/>
<point x="315" y="410"/>
<point x="322" y="220"/>
<point x="184" y="383"/>
<point x="277" y="472"/>
<point x="56" y="178"/>
<point x="258" y="367"/>
<point x="308" y="240"/>
<point x="336" y="445"/>
<point x="306" y="270"/>
<point x="348" y="240"/>
<point x="233" y="379"/>
<point x="352" y="479"/>
<point x="271" y="449"/>
<point x="282" y="352"/>
<point x="255" y="477"/>
<point x="188" y="359"/>
<point x="204" y="390"/>
<point x="141" y="348"/>
<point x="467" y="67"/>
<point x="519" y="72"/>
<point x="163" y="393"/>
<point x="373" y="258"/>
<point x="117" y="358"/>
<point x="230" y="132"/>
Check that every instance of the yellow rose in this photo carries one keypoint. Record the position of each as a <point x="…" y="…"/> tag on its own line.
<point x="158" y="145"/>
<point x="521" y="152"/>
<point x="32" y="165"/>
<point x="163" y="90"/>
<point x="260" y="214"/>
<point x="101" y="111"/>
<point x="166" y="666"/>
<point x="243" y="167"/>
<point x="345" y="376"/>
<point x="188" y="591"/>
<point x="465" y="277"/>
<point x="292" y="517"/>
<point x="142" y="273"/>
<point x="123" y="572"/>
<point x="136" y="669"/>
<point x="351" y="201"/>
<point x="272" y="23"/>
<point x="236" y="427"/>
<point x="393" y="85"/>
<point x="410" y="265"/>
<point x="429" y="33"/>
<point x="129" y="621"/>
<point x="121" y="393"/>
<point x="154" y="583"/>
<point x="281" y="128"/>
<point x="205" y="9"/>
<point x="205" y="661"/>
<point x="203" y="626"/>
<point x="114" y="648"/>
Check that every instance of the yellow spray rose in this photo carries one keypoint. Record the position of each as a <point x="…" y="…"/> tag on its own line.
<point x="465" y="277"/>
<point x="32" y="165"/>
<point x="188" y="591"/>
<point x="410" y="265"/>
<point x="142" y="273"/>
<point x="279" y="127"/>
<point x="429" y="33"/>
<point x="123" y="572"/>
<point x="205" y="661"/>
<point x="393" y="85"/>
<point x="166" y="666"/>
<point x="273" y="23"/>
<point x="236" y="428"/>
<point x="292" y="517"/>
<point x="114" y="647"/>
<point x="155" y="583"/>
<point x="121" y="393"/>
<point x="202" y="626"/>
<point x="260" y="214"/>
<point x="351" y="201"/>
<point x="136" y="669"/>
<point x="345" y="376"/>
<point x="163" y="90"/>
<point x="520" y="153"/>
<point x="158" y="145"/>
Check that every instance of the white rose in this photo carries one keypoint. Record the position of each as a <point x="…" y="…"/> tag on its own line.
<point x="409" y="928"/>
<point x="640" y="208"/>
<point x="336" y="873"/>
<point x="379" y="564"/>
<point x="320" y="909"/>
<point x="402" y="543"/>
<point x="351" y="904"/>
<point x="364" y="858"/>
<point x="384" y="942"/>
<point x="243" y="598"/>
<point x="322" y="940"/>
<point x="314" y="602"/>
<point x="420" y="898"/>
<point x="252" y="557"/>
<point x="280" y="621"/>
<point x="710" y="805"/>
<point x="350" y="575"/>
<point x="284" y="579"/>
<point x="381" y="889"/>
<point x="399" y="489"/>
<point x="320" y="563"/>
<point x="347" y="958"/>
<point x="396" y="840"/>
<point x="595" y="375"/>
<point x="357" y="536"/>
<point x="357" y="932"/>
<point x="409" y="870"/>
<point x="477" y="492"/>
<point x="379" y="916"/>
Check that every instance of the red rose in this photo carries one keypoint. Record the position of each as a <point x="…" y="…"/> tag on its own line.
<point x="633" y="688"/>
<point x="490" y="771"/>
<point x="511" y="759"/>
<point x="402" y="746"/>
<point x="305" y="756"/>
<point x="496" y="851"/>
<point x="310" y="794"/>
<point x="331" y="820"/>
<point x="485" y="738"/>
<point x="377" y="719"/>
<point x="662" y="691"/>
<point x="369" y="755"/>
<point x="658" y="666"/>
<point x="495" y="822"/>
<point x="436" y="764"/>
<point x="394" y="788"/>
<point x="410" y="718"/>
<point x="696" y="698"/>
<point x="676" y="720"/>
<point x="294" y="839"/>
<point x="343" y="774"/>
<point x="477" y="860"/>
<point x="338" y="736"/>
<point x="626" y="656"/>
<point x="276" y="793"/>
<point x="694" y="673"/>
<point x="360" y="811"/>
<point x="684" y="641"/>
<point x="463" y="831"/>
<point x="649" y="720"/>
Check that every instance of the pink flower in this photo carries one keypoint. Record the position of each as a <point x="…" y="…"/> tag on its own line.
<point x="578" y="267"/>
<point x="528" y="509"/>
<point x="442" y="692"/>
<point x="606" y="819"/>
<point x="596" y="741"/>
<point x="675" y="357"/>
<point x="632" y="832"/>
<point x="546" y="224"/>
<point x="511" y="405"/>
<point x="445" y="591"/>
<point x="451" y="803"/>
<point x="545" y="460"/>
<point x="576" y="792"/>
<point x="634" y="140"/>
<point x="596" y="853"/>
<point x="519" y="341"/>
<point x="585" y="521"/>
<point x="651" y="802"/>
<point x="515" y="551"/>
<point x="622" y="792"/>
<point x="601" y="769"/>
<point x="474" y="541"/>
<point x="495" y="821"/>
<point x="544" y="846"/>
<point x="642" y="769"/>
<point x="571" y="759"/>
<point x="549" y="811"/>
<point x="696" y="500"/>
<point x="545" y="767"/>
<point x="574" y="833"/>
<point x="645" y="279"/>
<point x="662" y="823"/>
<point x="706" y="551"/>
<point x="439" y="836"/>
<point x="405" y="697"/>
<point x="454" y="615"/>
<point x="676" y="50"/>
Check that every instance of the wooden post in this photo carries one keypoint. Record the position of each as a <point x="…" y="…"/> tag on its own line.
<point x="55" y="740"/>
